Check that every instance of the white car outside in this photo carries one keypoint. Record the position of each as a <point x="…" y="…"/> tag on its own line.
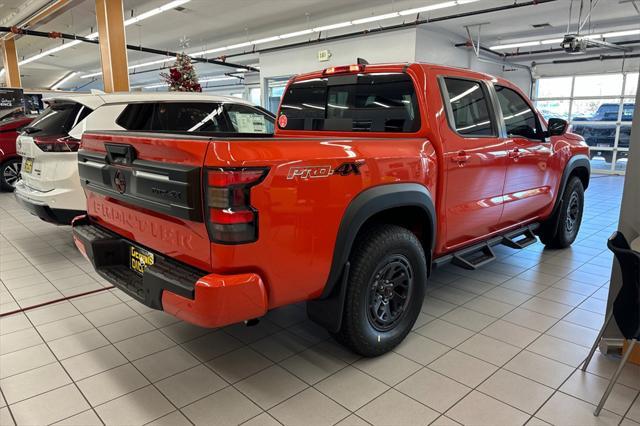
<point x="50" y="186"/>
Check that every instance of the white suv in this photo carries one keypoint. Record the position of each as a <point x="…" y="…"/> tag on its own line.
<point x="50" y="186"/>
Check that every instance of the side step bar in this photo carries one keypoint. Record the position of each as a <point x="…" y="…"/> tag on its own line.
<point x="527" y="238"/>
<point x="480" y="254"/>
<point x="473" y="257"/>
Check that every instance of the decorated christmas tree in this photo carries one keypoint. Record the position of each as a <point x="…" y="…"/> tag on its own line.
<point x="182" y="76"/>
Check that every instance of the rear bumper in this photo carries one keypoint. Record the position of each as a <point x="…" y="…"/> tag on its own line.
<point x="61" y="198"/>
<point x="46" y="213"/>
<point x="207" y="300"/>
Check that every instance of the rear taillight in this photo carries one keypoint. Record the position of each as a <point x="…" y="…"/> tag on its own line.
<point x="230" y="217"/>
<point x="66" y="144"/>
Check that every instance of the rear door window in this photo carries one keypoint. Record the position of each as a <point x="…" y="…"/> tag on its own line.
<point x="58" y="119"/>
<point x="195" y="117"/>
<point x="468" y="107"/>
<point x="384" y="102"/>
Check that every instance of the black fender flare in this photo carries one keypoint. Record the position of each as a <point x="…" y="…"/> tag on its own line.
<point x="549" y="226"/>
<point x="327" y="309"/>
<point x="577" y="161"/>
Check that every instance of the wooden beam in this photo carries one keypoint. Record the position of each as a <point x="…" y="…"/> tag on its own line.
<point x="113" y="45"/>
<point x="38" y="17"/>
<point x="12" y="71"/>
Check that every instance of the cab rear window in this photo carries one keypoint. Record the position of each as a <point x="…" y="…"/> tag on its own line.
<point x="195" y="117"/>
<point x="376" y="102"/>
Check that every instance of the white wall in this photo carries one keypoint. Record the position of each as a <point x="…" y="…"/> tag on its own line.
<point x="438" y="47"/>
<point x="408" y="45"/>
<point x="396" y="46"/>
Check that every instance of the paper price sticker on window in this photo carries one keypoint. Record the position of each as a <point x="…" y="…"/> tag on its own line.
<point x="251" y="123"/>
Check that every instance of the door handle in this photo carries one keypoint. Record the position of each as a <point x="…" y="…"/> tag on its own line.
<point x="515" y="153"/>
<point x="461" y="157"/>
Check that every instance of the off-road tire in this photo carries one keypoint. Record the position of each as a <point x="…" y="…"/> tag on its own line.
<point x="380" y="247"/>
<point x="563" y="228"/>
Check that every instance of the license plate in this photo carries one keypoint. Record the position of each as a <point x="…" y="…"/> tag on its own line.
<point x="28" y="165"/>
<point x="140" y="259"/>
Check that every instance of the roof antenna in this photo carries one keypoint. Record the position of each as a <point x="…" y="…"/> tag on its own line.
<point x="362" y="61"/>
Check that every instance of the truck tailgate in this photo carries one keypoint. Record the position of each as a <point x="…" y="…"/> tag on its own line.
<point x="148" y="190"/>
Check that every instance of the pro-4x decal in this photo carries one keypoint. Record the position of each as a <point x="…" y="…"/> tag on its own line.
<point x="313" y="172"/>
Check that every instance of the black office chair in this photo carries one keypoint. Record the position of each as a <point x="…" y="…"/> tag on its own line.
<point x="626" y="307"/>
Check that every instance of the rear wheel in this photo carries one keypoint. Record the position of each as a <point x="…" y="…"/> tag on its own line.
<point x="567" y="222"/>
<point x="385" y="290"/>
<point x="10" y="174"/>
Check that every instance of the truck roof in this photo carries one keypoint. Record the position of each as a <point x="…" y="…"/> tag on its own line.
<point x="400" y="66"/>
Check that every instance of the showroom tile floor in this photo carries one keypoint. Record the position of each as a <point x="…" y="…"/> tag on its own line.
<point x="498" y="346"/>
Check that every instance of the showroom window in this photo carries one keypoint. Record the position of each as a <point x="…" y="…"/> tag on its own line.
<point x="599" y="107"/>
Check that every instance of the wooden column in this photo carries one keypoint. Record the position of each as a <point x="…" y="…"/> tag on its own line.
<point x="11" y="69"/>
<point x="113" y="50"/>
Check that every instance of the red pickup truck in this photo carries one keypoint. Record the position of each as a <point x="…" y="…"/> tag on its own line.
<point x="375" y="176"/>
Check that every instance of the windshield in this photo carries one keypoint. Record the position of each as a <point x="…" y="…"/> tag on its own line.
<point x="376" y="102"/>
<point x="196" y="117"/>
<point x="11" y="114"/>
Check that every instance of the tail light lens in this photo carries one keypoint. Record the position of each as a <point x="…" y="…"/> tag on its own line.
<point x="230" y="217"/>
<point x="66" y="144"/>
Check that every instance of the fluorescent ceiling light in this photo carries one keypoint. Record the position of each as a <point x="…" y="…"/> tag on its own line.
<point x="559" y="40"/>
<point x="436" y="6"/>
<point x="621" y="33"/>
<point x="153" y="12"/>
<point x="265" y="40"/>
<point x="428" y="8"/>
<point x="204" y="52"/>
<point x="375" y="18"/>
<point x="551" y="41"/>
<point x="515" y="45"/>
<point x="93" y="74"/>
<point x="337" y="26"/>
<point x="210" y="79"/>
<point x="94" y="35"/>
<point x="146" y="64"/>
<point x="332" y="26"/>
<point x="296" y="34"/>
<point x="237" y="46"/>
<point x="64" y="80"/>
<point x="50" y="52"/>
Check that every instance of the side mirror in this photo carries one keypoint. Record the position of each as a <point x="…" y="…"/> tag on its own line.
<point x="557" y="126"/>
